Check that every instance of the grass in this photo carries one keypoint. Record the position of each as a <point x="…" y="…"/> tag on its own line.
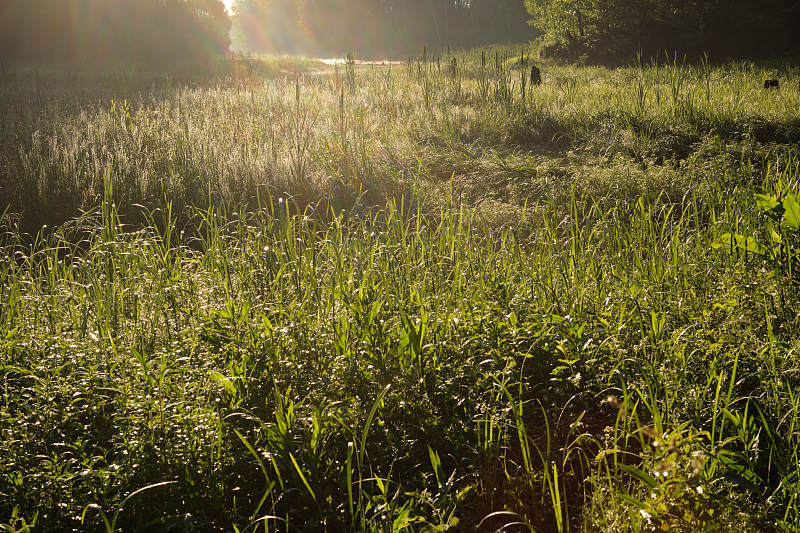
<point x="390" y="298"/>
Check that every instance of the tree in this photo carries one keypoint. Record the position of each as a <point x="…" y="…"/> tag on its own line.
<point x="150" y="33"/>
<point x="607" y="30"/>
<point x="582" y="25"/>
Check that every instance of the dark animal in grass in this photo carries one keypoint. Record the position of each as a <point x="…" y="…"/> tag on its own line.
<point x="453" y="67"/>
<point x="772" y="84"/>
<point x="536" y="75"/>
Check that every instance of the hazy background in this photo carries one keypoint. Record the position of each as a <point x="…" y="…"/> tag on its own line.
<point x="162" y="34"/>
<point x="375" y="28"/>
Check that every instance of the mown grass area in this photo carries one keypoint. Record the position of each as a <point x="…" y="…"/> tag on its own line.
<point x="390" y="299"/>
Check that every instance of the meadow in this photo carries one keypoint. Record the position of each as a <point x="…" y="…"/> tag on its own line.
<point x="401" y="298"/>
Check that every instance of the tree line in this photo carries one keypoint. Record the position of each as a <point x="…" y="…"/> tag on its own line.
<point x="147" y="33"/>
<point x="166" y="33"/>
<point x="608" y="30"/>
<point x="376" y="28"/>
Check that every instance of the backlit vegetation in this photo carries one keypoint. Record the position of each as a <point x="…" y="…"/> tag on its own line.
<point x="387" y="298"/>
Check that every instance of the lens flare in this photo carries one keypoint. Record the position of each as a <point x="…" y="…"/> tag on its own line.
<point x="304" y="27"/>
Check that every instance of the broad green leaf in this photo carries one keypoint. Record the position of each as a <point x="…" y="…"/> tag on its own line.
<point x="791" y="215"/>
<point x="463" y="493"/>
<point x="436" y="463"/>
<point x="767" y="203"/>
<point x="648" y="480"/>
<point x="741" y="242"/>
<point x="368" y="423"/>
<point x="225" y="382"/>
<point x="402" y="520"/>
<point x="302" y="477"/>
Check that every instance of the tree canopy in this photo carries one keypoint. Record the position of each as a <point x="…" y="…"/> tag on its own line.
<point x="609" y="29"/>
<point x="376" y="28"/>
<point x="150" y="33"/>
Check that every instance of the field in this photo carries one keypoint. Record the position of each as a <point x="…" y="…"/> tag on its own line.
<point x="401" y="298"/>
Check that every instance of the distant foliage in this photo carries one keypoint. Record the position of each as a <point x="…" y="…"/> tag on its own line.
<point x="608" y="30"/>
<point x="147" y="33"/>
<point x="376" y="28"/>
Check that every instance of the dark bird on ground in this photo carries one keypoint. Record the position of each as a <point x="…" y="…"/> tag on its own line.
<point x="536" y="75"/>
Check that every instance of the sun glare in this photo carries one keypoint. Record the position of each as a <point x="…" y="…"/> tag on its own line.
<point x="228" y="5"/>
